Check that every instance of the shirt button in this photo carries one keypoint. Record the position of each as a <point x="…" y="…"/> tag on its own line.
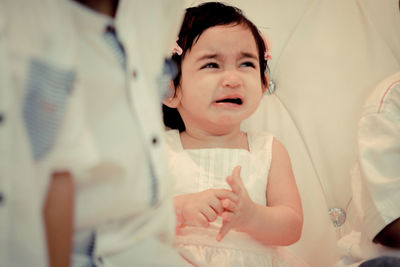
<point x="134" y="74"/>
<point x="154" y="140"/>
<point x="1" y="198"/>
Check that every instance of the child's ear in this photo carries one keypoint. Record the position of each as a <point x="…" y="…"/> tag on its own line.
<point x="265" y="86"/>
<point x="173" y="100"/>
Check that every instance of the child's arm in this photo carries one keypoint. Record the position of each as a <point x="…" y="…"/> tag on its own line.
<point x="279" y="223"/>
<point x="199" y="209"/>
<point x="390" y="235"/>
<point x="58" y="219"/>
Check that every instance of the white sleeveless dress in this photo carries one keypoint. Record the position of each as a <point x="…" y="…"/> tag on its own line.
<point x="195" y="170"/>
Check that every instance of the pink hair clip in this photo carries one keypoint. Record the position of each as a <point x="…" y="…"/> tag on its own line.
<point x="177" y="49"/>
<point x="267" y="43"/>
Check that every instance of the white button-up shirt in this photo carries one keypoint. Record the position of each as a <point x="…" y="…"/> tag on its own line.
<point x="379" y="156"/>
<point x="36" y="67"/>
<point x="376" y="174"/>
<point x="125" y="197"/>
<point x="21" y="229"/>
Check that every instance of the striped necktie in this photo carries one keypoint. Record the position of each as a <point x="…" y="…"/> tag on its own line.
<point x="112" y="40"/>
<point x="110" y="35"/>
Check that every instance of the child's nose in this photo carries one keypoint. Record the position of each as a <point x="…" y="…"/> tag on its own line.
<point x="231" y="79"/>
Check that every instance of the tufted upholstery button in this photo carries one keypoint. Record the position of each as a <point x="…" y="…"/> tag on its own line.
<point x="1" y="118"/>
<point x="271" y="87"/>
<point x="338" y="216"/>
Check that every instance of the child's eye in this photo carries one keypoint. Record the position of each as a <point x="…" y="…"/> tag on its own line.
<point x="247" y="64"/>
<point x="210" y="65"/>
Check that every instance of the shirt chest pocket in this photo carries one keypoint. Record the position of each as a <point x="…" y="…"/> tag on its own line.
<point x="46" y="93"/>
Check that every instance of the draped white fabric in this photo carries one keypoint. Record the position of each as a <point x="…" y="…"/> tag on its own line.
<point x="327" y="56"/>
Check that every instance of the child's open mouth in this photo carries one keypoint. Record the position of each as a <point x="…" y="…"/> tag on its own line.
<point x="236" y="101"/>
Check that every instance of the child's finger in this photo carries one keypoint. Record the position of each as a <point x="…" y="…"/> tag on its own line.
<point x="236" y="171"/>
<point x="178" y="230"/>
<point x="227" y="216"/>
<point x="179" y="221"/>
<point x="202" y="221"/>
<point x="216" y="205"/>
<point x="227" y="204"/>
<point x="225" y="193"/>
<point x="179" y="217"/>
<point x="225" y="228"/>
<point x="233" y="183"/>
<point x="236" y="175"/>
<point x="209" y="213"/>
<point x="199" y="220"/>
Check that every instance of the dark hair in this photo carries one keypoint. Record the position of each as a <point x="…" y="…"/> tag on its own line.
<point x="196" y="21"/>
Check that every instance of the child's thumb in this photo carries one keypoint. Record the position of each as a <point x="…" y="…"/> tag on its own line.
<point x="179" y="217"/>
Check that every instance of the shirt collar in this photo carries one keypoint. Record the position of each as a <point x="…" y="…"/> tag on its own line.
<point x="89" y="19"/>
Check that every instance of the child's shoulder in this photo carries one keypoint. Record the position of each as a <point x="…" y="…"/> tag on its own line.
<point x="260" y="135"/>
<point x="171" y="136"/>
<point x="260" y="140"/>
<point x="171" y="132"/>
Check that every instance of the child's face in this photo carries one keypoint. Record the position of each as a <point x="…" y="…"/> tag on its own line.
<point x="220" y="83"/>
